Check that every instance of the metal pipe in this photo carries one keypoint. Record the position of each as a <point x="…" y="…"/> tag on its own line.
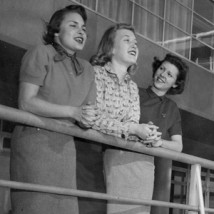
<point x="87" y="194"/>
<point x="15" y="115"/>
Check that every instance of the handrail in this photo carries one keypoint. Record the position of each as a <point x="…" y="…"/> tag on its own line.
<point x="19" y="116"/>
<point x="95" y="195"/>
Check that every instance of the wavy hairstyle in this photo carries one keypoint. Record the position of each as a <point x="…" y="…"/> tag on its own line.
<point x="182" y="71"/>
<point x="106" y="45"/>
<point x="54" y="24"/>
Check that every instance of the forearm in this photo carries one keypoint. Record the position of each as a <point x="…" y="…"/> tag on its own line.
<point x="43" y="108"/>
<point x="172" y="145"/>
<point x="112" y="126"/>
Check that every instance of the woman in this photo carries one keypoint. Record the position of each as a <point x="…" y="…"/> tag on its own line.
<point x="118" y="102"/>
<point x="169" y="76"/>
<point x="54" y="83"/>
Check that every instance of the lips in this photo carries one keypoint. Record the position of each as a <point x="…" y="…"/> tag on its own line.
<point x="79" y="39"/>
<point x="159" y="79"/>
<point x="133" y="52"/>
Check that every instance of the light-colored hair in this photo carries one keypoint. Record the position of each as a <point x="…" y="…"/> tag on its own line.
<point x="106" y="45"/>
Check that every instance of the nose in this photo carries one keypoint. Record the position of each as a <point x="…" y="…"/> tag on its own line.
<point x="133" y="44"/>
<point x="163" y="74"/>
<point x="81" y="31"/>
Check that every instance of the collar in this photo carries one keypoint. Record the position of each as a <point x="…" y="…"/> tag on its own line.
<point x="112" y="73"/>
<point x="62" y="54"/>
<point x="153" y="95"/>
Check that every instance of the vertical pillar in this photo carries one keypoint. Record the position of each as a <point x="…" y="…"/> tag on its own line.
<point x="207" y="189"/>
<point x="195" y="190"/>
<point x="163" y="171"/>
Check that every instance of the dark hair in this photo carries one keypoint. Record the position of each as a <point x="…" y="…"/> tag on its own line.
<point x="54" y="24"/>
<point x="182" y="71"/>
<point x="106" y="45"/>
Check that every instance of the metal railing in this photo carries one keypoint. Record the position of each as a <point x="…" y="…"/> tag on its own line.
<point x="195" y="194"/>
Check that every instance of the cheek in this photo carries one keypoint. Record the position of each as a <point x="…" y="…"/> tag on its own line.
<point x="156" y="74"/>
<point x="66" y="34"/>
<point x="61" y="36"/>
<point x="172" y="82"/>
<point x="137" y="54"/>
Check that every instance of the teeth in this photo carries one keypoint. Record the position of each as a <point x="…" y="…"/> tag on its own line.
<point x="132" y="53"/>
<point x="160" y="79"/>
<point x="80" y="40"/>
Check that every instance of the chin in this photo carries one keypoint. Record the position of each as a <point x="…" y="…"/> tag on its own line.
<point x="78" y="48"/>
<point x="157" y="85"/>
<point x="132" y="62"/>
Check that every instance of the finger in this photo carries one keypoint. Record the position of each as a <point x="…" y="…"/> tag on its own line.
<point x="87" y="108"/>
<point x="148" y="141"/>
<point x="151" y="138"/>
<point x="156" y="144"/>
<point x="159" y="133"/>
<point x="153" y="127"/>
<point x="90" y="112"/>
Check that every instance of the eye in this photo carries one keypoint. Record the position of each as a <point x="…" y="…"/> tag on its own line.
<point x="170" y="75"/>
<point x="73" y="25"/>
<point x="84" y="29"/>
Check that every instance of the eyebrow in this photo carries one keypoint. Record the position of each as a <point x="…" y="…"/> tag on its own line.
<point x="75" y="22"/>
<point x="129" y="36"/>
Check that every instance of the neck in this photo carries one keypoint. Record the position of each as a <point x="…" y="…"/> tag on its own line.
<point x="158" y="92"/>
<point x="119" y="69"/>
<point x="69" y="51"/>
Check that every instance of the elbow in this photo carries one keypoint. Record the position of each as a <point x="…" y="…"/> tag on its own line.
<point x="23" y="105"/>
<point x="180" y="148"/>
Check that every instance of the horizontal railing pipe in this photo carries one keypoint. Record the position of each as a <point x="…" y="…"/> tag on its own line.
<point x="94" y="195"/>
<point x="19" y="116"/>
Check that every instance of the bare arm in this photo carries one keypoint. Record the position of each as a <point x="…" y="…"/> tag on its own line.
<point x="174" y="144"/>
<point x="30" y="101"/>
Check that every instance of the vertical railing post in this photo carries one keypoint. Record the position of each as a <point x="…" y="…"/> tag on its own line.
<point x="195" y="190"/>
<point x="193" y="196"/>
<point x="207" y="189"/>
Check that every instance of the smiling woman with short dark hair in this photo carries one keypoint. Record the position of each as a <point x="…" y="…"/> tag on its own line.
<point x="54" y="83"/>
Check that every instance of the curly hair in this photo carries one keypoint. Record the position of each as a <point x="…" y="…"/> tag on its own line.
<point x="54" y="24"/>
<point x="182" y="71"/>
<point x="106" y="45"/>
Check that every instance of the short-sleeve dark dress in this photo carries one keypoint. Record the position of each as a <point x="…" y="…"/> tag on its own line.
<point x="44" y="157"/>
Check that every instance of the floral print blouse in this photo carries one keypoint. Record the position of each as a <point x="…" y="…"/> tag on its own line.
<point x="118" y="103"/>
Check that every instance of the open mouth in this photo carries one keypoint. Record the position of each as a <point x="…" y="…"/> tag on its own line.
<point x="132" y="52"/>
<point x="159" y="79"/>
<point x="79" y="40"/>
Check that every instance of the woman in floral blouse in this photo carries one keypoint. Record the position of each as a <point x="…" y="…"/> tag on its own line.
<point x="118" y="102"/>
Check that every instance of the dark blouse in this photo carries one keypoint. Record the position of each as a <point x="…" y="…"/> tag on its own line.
<point x="58" y="81"/>
<point x="162" y="111"/>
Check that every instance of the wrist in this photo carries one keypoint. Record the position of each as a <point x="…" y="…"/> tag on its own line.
<point x="160" y="142"/>
<point x="73" y="113"/>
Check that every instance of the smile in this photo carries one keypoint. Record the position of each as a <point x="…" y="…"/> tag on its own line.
<point x="132" y="52"/>
<point x="159" y="79"/>
<point x="79" y="40"/>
